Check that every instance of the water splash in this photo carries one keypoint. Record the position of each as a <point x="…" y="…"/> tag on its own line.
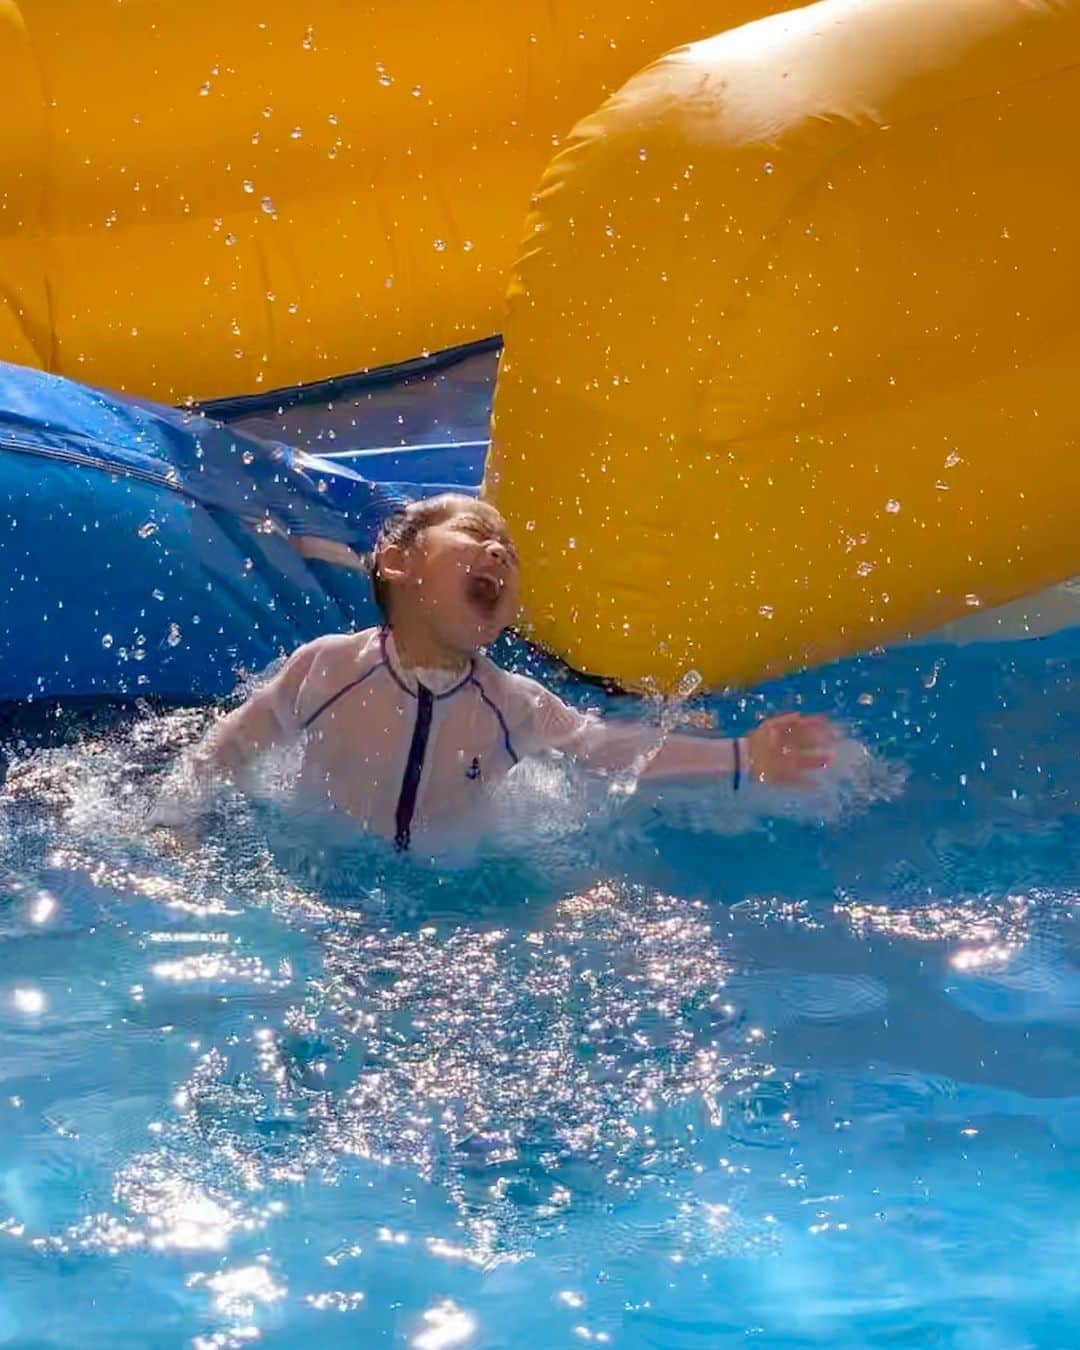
<point x="667" y="711"/>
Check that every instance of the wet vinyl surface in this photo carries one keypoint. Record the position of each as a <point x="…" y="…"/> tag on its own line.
<point x="652" y="1070"/>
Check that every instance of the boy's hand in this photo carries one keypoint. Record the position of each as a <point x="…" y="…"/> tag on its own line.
<point x="785" y="751"/>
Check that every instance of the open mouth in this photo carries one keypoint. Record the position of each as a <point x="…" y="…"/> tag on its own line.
<point x="483" y="592"/>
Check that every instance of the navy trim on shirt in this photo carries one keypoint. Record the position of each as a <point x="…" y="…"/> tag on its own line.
<point x="334" y="697"/>
<point x="498" y="713"/>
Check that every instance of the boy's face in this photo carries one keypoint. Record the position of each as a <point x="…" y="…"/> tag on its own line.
<point x="461" y="575"/>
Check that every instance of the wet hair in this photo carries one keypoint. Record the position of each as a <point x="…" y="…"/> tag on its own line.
<point x="403" y="529"/>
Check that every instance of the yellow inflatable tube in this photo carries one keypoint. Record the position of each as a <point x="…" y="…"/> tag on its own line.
<point x="792" y="339"/>
<point x="201" y="198"/>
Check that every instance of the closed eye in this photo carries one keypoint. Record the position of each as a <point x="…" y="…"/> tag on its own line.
<point x="481" y="530"/>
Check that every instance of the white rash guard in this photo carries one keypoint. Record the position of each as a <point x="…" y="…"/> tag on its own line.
<point x="399" y="749"/>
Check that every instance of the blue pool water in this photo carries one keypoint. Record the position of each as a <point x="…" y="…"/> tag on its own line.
<point x="646" y="1071"/>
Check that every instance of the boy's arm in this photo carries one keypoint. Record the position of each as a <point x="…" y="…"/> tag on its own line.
<point x="782" y="752"/>
<point x="265" y="719"/>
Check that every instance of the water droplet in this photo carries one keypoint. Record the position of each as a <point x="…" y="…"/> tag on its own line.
<point x="322" y="485"/>
<point x="571" y="542"/>
<point x="467" y="245"/>
<point x="952" y="459"/>
<point x="643" y="154"/>
<point x="173" y="635"/>
<point x="247" y="457"/>
<point x="530" y="524"/>
<point x="296" y="133"/>
<point x="158" y="595"/>
<point x="972" y="601"/>
<point x="147" y="529"/>
<point x="204" y="89"/>
<point x="107" y="641"/>
<point x="308" y="40"/>
<point x="416" y="91"/>
<point x="864" y="569"/>
<point x="266" y="206"/>
<point x="930" y="680"/>
<point x="768" y="166"/>
<point x="892" y="506"/>
<point x="230" y="239"/>
<point x="248" y="565"/>
<point x="268" y="112"/>
<point x="866" y="700"/>
<point x="264" y="526"/>
<point x="248" y="185"/>
<point x="766" y="611"/>
<point x="440" y="245"/>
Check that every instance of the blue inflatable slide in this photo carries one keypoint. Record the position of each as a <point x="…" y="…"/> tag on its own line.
<point x="150" y="551"/>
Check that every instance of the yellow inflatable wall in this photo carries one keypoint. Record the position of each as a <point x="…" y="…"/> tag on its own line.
<point x="206" y="198"/>
<point x="792" y="339"/>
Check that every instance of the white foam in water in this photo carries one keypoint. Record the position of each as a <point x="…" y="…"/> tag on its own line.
<point x="542" y="799"/>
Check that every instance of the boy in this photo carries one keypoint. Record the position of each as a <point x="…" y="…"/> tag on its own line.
<point x="410" y="725"/>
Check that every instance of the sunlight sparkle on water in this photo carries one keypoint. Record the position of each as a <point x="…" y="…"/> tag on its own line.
<point x="31" y="1001"/>
<point x="186" y="1220"/>
<point x="42" y="908"/>
<point x="237" y="1291"/>
<point x="447" y="1325"/>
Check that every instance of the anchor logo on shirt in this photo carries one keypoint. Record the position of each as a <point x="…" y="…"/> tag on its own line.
<point x="473" y="771"/>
